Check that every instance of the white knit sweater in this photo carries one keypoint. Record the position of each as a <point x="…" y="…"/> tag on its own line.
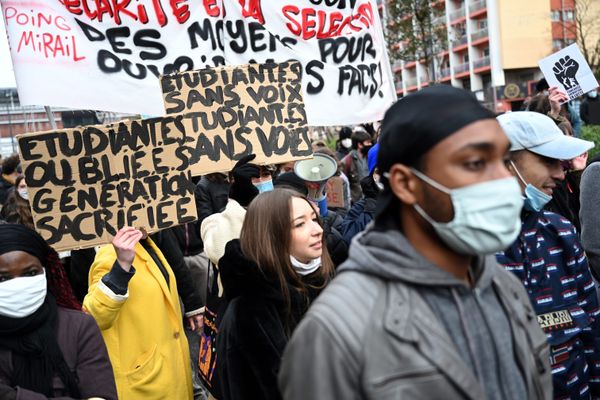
<point x="220" y="228"/>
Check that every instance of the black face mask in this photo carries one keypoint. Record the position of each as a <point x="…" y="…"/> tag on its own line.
<point x="365" y="150"/>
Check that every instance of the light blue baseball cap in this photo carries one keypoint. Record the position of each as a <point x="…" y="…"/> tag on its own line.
<point x="535" y="132"/>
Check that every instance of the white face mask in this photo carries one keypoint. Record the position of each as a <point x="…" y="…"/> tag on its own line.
<point x="305" y="269"/>
<point x="486" y="215"/>
<point x="346" y="143"/>
<point x="21" y="297"/>
<point x="23" y="193"/>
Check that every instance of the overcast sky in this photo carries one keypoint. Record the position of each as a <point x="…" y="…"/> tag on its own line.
<point x="7" y="77"/>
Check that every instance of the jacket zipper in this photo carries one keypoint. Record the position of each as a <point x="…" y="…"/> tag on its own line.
<point x="538" y="363"/>
<point x="477" y="295"/>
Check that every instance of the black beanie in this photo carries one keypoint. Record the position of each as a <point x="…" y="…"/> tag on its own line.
<point x="292" y="181"/>
<point x="416" y="123"/>
<point x="16" y="237"/>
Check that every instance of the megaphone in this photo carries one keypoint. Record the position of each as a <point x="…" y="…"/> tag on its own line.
<point x="316" y="171"/>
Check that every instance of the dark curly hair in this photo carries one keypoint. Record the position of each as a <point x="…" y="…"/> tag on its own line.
<point x="10" y="164"/>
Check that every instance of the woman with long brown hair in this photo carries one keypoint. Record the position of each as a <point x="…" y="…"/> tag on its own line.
<point x="17" y="210"/>
<point x="270" y="276"/>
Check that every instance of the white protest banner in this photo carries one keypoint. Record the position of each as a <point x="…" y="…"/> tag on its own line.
<point x="568" y="70"/>
<point x="86" y="183"/>
<point x="108" y="55"/>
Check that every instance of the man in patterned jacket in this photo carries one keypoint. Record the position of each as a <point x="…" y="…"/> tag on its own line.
<point x="548" y="257"/>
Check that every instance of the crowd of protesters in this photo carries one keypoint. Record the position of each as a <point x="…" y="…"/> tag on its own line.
<point x="463" y="264"/>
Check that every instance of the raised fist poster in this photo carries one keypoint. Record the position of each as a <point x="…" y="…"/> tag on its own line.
<point x="108" y="55"/>
<point x="568" y="70"/>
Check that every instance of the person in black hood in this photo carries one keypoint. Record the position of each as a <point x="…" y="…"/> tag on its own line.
<point x="270" y="276"/>
<point x="344" y="143"/>
<point x="421" y="309"/>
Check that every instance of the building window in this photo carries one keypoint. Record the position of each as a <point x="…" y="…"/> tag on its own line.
<point x="557" y="44"/>
<point x="555" y="15"/>
<point x="568" y="15"/>
<point x="466" y="58"/>
<point x="482" y="24"/>
<point x="486" y="52"/>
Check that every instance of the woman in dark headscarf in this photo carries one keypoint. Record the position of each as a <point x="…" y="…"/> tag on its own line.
<point x="48" y="347"/>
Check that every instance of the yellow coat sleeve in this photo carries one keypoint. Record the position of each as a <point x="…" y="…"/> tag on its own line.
<point x="101" y="302"/>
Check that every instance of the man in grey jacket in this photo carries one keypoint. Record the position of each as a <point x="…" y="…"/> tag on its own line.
<point x="589" y="215"/>
<point x="421" y="310"/>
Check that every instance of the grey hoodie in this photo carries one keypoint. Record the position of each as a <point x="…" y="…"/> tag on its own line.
<point x="393" y="325"/>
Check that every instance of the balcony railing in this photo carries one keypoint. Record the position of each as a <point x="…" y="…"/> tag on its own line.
<point x="398" y="85"/>
<point x="460" y="68"/>
<point x="410" y="82"/>
<point x="441" y="20"/>
<point x="445" y="72"/>
<point x="477" y="5"/>
<point x="454" y="15"/>
<point x="482" y="62"/>
<point x="397" y="64"/>
<point x="460" y="41"/>
<point x="480" y="34"/>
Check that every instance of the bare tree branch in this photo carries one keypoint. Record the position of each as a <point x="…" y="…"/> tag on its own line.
<point x="414" y="33"/>
<point x="586" y="28"/>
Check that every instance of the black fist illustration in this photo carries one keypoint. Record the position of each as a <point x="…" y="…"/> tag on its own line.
<point x="565" y="70"/>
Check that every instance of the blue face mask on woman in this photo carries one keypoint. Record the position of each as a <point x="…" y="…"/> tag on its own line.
<point x="535" y="199"/>
<point x="265" y="186"/>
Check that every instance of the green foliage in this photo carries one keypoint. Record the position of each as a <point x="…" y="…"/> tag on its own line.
<point x="592" y="133"/>
<point x="419" y="27"/>
<point x="331" y="142"/>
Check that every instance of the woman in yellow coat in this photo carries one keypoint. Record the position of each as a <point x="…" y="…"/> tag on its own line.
<point x="133" y="297"/>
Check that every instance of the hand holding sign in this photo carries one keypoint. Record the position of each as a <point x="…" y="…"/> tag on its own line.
<point x="556" y="98"/>
<point x="242" y="190"/>
<point x="244" y="171"/>
<point x="124" y="243"/>
<point x="565" y="70"/>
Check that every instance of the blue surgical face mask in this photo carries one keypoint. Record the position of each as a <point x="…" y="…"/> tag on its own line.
<point x="265" y="186"/>
<point x="486" y="215"/>
<point x="535" y="199"/>
<point x="593" y="94"/>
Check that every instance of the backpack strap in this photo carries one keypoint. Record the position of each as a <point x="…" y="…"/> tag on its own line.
<point x="347" y="164"/>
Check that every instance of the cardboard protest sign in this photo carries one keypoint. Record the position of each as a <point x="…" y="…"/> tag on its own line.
<point x="335" y="192"/>
<point x="107" y="55"/>
<point x="228" y="112"/>
<point x="568" y="70"/>
<point x="86" y="183"/>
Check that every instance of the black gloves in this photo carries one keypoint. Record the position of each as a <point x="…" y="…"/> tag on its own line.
<point x="242" y="190"/>
<point x="369" y="187"/>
